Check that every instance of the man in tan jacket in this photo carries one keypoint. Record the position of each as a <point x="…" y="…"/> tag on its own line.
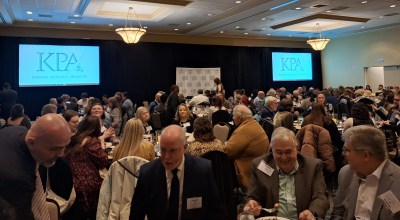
<point x="247" y="142"/>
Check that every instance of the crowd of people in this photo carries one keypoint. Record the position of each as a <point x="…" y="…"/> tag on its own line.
<point x="297" y="150"/>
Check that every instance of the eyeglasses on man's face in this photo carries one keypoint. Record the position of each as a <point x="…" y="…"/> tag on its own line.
<point x="346" y="150"/>
<point x="279" y="153"/>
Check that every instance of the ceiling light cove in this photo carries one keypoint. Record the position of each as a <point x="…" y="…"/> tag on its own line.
<point x="283" y="5"/>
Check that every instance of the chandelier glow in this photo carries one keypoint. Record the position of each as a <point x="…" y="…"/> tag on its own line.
<point x="131" y="35"/>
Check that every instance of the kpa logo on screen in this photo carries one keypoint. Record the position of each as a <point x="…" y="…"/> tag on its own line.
<point x="291" y="64"/>
<point x="58" y="62"/>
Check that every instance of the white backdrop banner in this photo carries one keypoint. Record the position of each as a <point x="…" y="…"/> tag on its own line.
<point x="190" y="80"/>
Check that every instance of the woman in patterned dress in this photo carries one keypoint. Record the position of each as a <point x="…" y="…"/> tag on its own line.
<point x="85" y="158"/>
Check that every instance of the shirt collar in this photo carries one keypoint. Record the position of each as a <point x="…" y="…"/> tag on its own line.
<point x="377" y="173"/>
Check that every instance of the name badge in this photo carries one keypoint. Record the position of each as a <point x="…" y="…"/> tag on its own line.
<point x="186" y="124"/>
<point x="265" y="168"/>
<point x="194" y="203"/>
<point x="149" y="128"/>
<point x="390" y="201"/>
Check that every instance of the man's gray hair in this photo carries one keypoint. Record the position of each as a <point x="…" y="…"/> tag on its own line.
<point x="243" y="111"/>
<point x="270" y="100"/>
<point x="48" y="108"/>
<point x="365" y="137"/>
<point x="283" y="134"/>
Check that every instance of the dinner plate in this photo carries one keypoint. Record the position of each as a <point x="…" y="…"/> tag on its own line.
<point x="272" y="218"/>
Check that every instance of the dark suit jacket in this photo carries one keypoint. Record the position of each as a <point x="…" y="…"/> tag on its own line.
<point x="17" y="171"/>
<point x="346" y="197"/>
<point x="151" y="195"/>
<point x="310" y="186"/>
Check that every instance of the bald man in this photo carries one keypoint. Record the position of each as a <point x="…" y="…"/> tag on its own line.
<point x="198" y="196"/>
<point x="21" y="153"/>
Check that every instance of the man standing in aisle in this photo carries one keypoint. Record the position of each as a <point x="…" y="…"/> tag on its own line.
<point x="8" y="98"/>
<point x="21" y="153"/>
<point x="176" y="186"/>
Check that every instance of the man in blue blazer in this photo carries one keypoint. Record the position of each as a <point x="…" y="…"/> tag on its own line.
<point x="198" y="196"/>
<point x="369" y="186"/>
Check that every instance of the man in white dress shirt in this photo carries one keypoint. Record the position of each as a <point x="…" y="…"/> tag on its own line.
<point x="199" y="99"/>
<point x="369" y="186"/>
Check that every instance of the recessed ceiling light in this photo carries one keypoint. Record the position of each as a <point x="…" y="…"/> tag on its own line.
<point x="29" y="12"/>
<point x="145" y="27"/>
<point x="209" y="14"/>
<point x="263" y="19"/>
<point x="221" y="32"/>
<point x="263" y="28"/>
<point x="110" y="25"/>
<point x="72" y="22"/>
<point x="176" y="29"/>
<point x="298" y="8"/>
<point x="237" y="27"/>
<point x="188" y="23"/>
<point x="269" y="34"/>
<point x="238" y="2"/>
<point x="364" y="2"/>
<point x="362" y="27"/>
<point x="380" y="17"/>
<point x="329" y="11"/>
<point x="246" y="33"/>
<point x="30" y="19"/>
<point x="290" y="35"/>
<point x="392" y="6"/>
<point x="76" y="15"/>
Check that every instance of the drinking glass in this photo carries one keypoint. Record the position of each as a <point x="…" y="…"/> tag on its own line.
<point x="300" y="119"/>
<point x="246" y="216"/>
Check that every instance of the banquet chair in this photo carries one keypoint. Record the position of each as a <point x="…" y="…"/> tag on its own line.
<point x="221" y="131"/>
<point x="220" y="116"/>
<point x="54" y="209"/>
<point x="118" y="187"/>
<point x="268" y="127"/>
<point x="225" y="180"/>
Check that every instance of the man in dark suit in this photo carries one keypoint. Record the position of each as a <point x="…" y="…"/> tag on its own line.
<point x="294" y="181"/>
<point x="21" y="153"/>
<point x="156" y="192"/>
<point x="369" y="186"/>
<point x="8" y="98"/>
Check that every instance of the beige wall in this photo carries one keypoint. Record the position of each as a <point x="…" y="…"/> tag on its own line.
<point x="344" y="59"/>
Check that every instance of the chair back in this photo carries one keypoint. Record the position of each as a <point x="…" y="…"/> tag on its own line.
<point x="343" y="108"/>
<point x="220" y="116"/>
<point x="118" y="187"/>
<point x="156" y="120"/>
<point x="224" y="180"/>
<point x="221" y="131"/>
<point x="54" y="209"/>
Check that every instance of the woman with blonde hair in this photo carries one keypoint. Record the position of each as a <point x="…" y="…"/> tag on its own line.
<point x="133" y="144"/>
<point x="184" y="118"/>
<point x="143" y="115"/>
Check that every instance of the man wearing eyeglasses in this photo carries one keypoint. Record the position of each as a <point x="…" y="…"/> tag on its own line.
<point x="294" y="181"/>
<point x="369" y="186"/>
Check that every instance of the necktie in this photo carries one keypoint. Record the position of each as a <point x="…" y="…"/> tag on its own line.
<point x="173" y="202"/>
<point x="39" y="207"/>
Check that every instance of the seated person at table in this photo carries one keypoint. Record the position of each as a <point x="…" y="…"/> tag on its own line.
<point x="115" y="114"/>
<point x="107" y="131"/>
<point x="133" y="143"/>
<point x="143" y="115"/>
<point x="85" y="157"/>
<point x="176" y="186"/>
<point x="17" y="117"/>
<point x="205" y="140"/>
<point x="48" y="108"/>
<point x="184" y="118"/>
<point x="294" y="181"/>
<point x="367" y="177"/>
<point x="72" y="118"/>
<point x="199" y="99"/>
<point x="359" y="116"/>
<point x="284" y="116"/>
<point x="247" y="142"/>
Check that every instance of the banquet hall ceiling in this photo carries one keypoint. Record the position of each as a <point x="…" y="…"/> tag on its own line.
<point x="219" y="18"/>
